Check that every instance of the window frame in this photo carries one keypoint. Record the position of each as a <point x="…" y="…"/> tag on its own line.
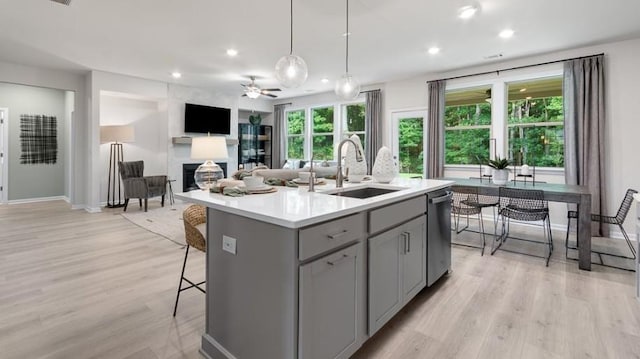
<point x="499" y="111"/>
<point x="339" y="113"/>
<point x="303" y="134"/>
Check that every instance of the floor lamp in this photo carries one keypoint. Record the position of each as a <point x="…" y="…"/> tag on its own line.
<point x="115" y="135"/>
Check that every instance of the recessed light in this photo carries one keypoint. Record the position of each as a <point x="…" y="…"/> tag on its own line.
<point x="523" y="89"/>
<point x="506" y="33"/>
<point x="528" y="97"/>
<point x="434" y="50"/>
<point x="324" y="80"/>
<point x="176" y="75"/>
<point x="467" y="12"/>
<point x="232" y="52"/>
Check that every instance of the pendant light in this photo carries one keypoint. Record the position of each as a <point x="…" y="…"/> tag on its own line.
<point x="291" y="70"/>
<point x="347" y="87"/>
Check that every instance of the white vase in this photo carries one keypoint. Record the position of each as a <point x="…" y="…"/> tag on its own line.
<point x="500" y="177"/>
<point x="384" y="169"/>
<point x="350" y="162"/>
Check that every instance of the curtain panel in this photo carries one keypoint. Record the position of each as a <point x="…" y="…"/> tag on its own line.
<point x="435" y="156"/>
<point x="279" y="136"/>
<point x="584" y="116"/>
<point x="373" y="126"/>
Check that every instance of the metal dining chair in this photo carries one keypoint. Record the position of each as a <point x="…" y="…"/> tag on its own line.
<point x="618" y="220"/>
<point x="527" y="205"/>
<point x="467" y="202"/>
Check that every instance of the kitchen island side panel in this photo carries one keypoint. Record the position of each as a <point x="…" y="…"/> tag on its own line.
<point x="252" y="294"/>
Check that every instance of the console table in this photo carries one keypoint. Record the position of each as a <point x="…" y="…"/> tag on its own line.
<point x="553" y="192"/>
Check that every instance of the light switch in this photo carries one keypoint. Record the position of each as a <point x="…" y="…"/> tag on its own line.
<point x="229" y="244"/>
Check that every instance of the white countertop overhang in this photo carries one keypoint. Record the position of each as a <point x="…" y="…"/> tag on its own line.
<point x="297" y="207"/>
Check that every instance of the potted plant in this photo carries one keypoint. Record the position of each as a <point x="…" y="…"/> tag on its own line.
<point x="500" y="171"/>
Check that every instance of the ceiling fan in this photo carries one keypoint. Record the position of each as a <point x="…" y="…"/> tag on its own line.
<point x="252" y="90"/>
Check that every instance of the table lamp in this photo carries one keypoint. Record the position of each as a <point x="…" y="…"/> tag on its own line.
<point x="115" y="135"/>
<point x="209" y="149"/>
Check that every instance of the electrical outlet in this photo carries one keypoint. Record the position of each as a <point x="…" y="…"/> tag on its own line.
<point x="229" y="244"/>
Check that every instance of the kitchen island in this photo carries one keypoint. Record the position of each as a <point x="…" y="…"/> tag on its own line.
<point x="298" y="274"/>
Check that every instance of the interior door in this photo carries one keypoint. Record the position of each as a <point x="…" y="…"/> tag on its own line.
<point x="409" y="142"/>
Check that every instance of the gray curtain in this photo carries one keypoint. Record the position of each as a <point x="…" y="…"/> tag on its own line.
<point x="435" y="157"/>
<point x="584" y="114"/>
<point x="279" y="137"/>
<point x="373" y="126"/>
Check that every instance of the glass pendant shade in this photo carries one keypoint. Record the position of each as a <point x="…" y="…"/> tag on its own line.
<point x="347" y="87"/>
<point x="291" y="71"/>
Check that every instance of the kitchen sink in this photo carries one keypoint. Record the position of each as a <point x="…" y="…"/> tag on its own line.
<point x="366" y="192"/>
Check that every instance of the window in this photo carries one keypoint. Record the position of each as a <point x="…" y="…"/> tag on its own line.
<point x="322" y="133"/>
<point x="536" y="123"/>
<point x="467" y="119"/>
<point x="318" y="130"/>
<point x="353" y="121"/>
<point x="295" y="134"/>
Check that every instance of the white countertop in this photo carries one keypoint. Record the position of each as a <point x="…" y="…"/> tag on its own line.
<point x="637" y="197"/>
<point x="296" y="207"/>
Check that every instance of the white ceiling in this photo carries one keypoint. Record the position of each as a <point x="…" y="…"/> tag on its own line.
<point x="152" y="38"/>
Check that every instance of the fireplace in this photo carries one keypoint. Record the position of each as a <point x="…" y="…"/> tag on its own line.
<point x="189" y="169"/>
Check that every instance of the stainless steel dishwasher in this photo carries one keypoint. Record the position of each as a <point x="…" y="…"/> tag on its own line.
<point x="438" y="234"/>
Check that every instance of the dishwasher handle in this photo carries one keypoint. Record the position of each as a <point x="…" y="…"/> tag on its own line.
<point x="445" y="198"/>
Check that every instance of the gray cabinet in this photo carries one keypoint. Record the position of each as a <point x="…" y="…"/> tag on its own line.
<point x="397" y="270"/>
<point x="331" y="314"/>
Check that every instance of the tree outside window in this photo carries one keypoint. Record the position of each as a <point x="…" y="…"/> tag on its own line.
<point x="536" y="123"/>
<point x="353" y="121"/>
<point x="322" y="133"/>
<point x="295" y="134"/>
<point x="467" y="132"/>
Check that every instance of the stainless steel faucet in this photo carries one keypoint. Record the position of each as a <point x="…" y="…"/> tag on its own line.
<point x="359" y="158"/>
<point x="312" y="177"/>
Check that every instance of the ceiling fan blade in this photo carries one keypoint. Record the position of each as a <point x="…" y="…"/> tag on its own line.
<point x="244" y="95"/>
<point x="270" y="95"/>
<point x="271" y="90"/>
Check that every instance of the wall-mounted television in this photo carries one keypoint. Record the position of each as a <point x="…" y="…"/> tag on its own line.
<point x="207" y="119"/>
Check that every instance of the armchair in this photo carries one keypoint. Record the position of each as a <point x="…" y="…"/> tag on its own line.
<point x="136" y="185"/>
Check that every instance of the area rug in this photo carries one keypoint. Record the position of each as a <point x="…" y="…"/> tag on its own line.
<point x="165" y="221"/>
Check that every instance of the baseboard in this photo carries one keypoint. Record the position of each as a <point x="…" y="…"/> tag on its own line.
<point x="77" y="206"/>
<point x="93" y="209"/>
<point x="212" y="349"/>
<point x="38" y="199"/>
<point x="66" y="199"/>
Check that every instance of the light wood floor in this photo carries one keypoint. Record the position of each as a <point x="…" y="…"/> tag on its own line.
<point x="79" y="285"/>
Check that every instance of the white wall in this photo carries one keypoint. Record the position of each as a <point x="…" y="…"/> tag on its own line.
<point x="180" y="154"/>
<point x="622" y="78"/>
<point x="34" y="76"/>
<point x="149" y="120"/>
<point x="122" y="86"/>
<point x="32" y="181"/>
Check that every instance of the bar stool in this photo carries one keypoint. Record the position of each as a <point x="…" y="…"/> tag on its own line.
<point x="523" y="205"/>
<point x="618" y="220"/>
<point x="192" y="216"/>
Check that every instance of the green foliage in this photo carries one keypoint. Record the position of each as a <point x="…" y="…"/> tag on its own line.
<point x="411" y="145"/>
<point x="355" y="117"/>
<point x="498" y="163"/>
<point x="322" y="119"/>
<point x="323" y="147"/>
<point x="295" y="123"/>
<point x="538" y="145"/>
<point x="295" y="147"/>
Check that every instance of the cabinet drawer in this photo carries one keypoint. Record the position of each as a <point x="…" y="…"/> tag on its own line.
<point x="324" y="237"/>
<point x="389" y="216"/>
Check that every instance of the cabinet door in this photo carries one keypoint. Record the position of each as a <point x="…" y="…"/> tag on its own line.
<point x="385" y="270"/>
<point x="331" y="305"/>
<point x="413" y="244"/>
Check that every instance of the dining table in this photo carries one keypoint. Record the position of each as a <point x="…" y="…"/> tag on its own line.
<point x="553" y="192"/>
